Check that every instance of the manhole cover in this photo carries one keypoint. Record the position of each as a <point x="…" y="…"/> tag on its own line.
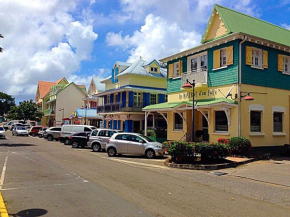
<point x="219" y="173"/>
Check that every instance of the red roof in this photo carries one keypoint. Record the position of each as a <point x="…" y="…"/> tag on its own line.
<point x="44" y="87"/>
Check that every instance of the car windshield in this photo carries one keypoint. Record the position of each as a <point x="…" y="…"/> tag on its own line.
<point x="148" y="139"/>
<point x="1" y="129"/>
<point x="21" y="128"/>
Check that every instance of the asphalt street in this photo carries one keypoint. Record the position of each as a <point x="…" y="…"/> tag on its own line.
<point x="42" y="178"/>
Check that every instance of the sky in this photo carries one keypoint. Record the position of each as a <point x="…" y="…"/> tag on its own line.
<point x="80" y="39"/>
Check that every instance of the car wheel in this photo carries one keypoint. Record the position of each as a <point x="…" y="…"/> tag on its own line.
<point x="66" y="142"/>
<point x="150" y="153"/>
<point x="49" y="138"/>
<point x="40" y="136"/>
<point x="75" y="144"/>
<point x="33" y="134"/>
<point x="96" y="147"/>
<point x="111" y="152"/>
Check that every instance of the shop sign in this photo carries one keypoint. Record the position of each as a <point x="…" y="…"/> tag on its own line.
<point x="209" y="93"/>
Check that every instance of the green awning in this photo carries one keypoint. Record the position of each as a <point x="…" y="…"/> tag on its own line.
<point x="201" y="102"/>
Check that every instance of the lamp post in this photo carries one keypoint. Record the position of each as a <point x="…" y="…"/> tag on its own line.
<point x="62" y="109"/>
<point x="85" y="107"/>
<point x="188" y="85"/>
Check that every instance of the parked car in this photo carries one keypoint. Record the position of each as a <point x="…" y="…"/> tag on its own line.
<point x="133" y="143"/>
<point x="15" y="125"/>
<point x="2" y="133"/>
<point x="9" y="125"/>
<point x="52" y="133"/>
<point x="40" y="132"/>
<point x="99" y="137"/>
<point x="79" y="139"/>
<point x="34" y="130"/>
<point x="69" y="130"/>
<point x="19" y="131"/>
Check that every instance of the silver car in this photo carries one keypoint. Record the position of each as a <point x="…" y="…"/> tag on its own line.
<point x="133" y="143"/>
<point x="98" y="138"/>
<point x="20" y="131"/>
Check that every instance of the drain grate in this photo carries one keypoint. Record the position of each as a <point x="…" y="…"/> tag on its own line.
<point x="219" y="173"/>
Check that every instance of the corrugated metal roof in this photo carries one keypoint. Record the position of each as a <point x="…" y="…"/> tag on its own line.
<point x="239" y="22"/>
<point x="89" y="113"/>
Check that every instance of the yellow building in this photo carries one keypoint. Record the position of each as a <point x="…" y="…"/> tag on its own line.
<point x="241" y="73"/>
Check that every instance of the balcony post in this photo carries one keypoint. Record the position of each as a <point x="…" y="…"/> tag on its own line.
<point x="145" y="130"/>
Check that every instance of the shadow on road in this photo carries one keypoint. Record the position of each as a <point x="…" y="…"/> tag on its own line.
<point x="30" y="213"/>
<point x="14" y="145"/>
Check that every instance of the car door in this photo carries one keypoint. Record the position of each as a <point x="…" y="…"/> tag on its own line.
<point x="82" y="139"/>
<point x="135" y="145"/>
<point x="121" y="143"/>
<point x="56" y="132"/>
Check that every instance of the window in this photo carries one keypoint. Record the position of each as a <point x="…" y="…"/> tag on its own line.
<point x="256" y="117"/>
<point x="104" y="133"/>
<point x="95" y="133"/>
<point x="221" y="121"/>
<point x="166" y="98"/>
<point x="87" y="129"/>
<point x="108" y="99"/>
<point x="197" y="63"/>
<point x="178" y="122"/>
<point x="116" y="98"/>
<point x="257" y="57"/>
<point x="153" y="99"/>
<point x="121" y="137"/>
<point x="287" y="64"/>
<point x="134" y="138"/>
<point x="278" y="123"/>
<point x="155" y="69"/>
<point x="137" y="99"/>
<point x="176" y="70"/>
<point x="223" y="57"/>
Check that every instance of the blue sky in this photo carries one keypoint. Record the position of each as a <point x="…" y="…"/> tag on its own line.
<point x="78" y="39"/>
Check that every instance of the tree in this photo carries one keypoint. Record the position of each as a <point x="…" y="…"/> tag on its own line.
<point x="1" y="49"/>
<point x="27" y="110"/>
<point x="6" y="102"/>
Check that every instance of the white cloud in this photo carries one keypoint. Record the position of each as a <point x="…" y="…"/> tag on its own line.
<point x="286" y="26"/>
<point x="86" y="80"/>
<point x="42" y="41"/>
<point x="169" y="27"/>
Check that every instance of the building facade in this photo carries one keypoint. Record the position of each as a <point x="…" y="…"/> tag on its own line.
<point x="131" y="87"/>
<point x="240" y="56"/>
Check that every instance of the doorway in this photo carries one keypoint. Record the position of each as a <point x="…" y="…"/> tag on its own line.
<point x="205" y="135"/>
<point x="136" y="126"/>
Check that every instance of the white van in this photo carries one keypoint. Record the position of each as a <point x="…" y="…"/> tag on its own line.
<point x="68" y="130"/>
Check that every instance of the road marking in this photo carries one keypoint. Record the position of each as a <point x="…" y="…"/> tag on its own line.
<point x="4" y="171"/>
<point x="134" y="163"/>
<point x="3" y="209"/>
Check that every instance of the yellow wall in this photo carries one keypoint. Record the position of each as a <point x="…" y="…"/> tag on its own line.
<point x="268" y="97"/>
<point x="146" y="81"/>
<point x="216" y="29"/>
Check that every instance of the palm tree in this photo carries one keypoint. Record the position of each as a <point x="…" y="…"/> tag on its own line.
<point x="1" y="49"/>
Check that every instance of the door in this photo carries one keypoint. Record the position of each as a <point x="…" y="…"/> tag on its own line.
<point x="135" y="145"/>
<point x="121" y="143"/>
<point x="136" y="126"/>
<point x="205" y="135"/>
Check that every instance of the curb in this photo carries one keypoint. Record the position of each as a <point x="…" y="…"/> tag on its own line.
<point x="3" y="209"/>
<point x="213" y="166"/>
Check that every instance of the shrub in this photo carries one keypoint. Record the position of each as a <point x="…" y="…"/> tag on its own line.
<point x="151" y="133"/>
<point x="239" y="145"/>
<point x="211" y="151"/>
<point x="223" y="141"/>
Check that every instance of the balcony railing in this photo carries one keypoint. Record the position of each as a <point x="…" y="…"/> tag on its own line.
<point x="121" y="107"/>
<point x="199" y="75"/>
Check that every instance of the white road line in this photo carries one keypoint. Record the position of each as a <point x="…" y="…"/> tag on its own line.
<point x="4" y="171"/>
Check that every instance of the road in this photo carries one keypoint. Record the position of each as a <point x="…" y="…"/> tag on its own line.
<point x="41" y="178"/>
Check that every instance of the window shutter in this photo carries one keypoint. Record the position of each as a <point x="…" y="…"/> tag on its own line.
<point x="113" y="77"/>
<point x="249" y="55"/>
<point x="280" y="63"/>
<point x="230" y="55"/>
<point x="265" y="59"/>
<point x="216" y="59"/>
<point x="170" y="71"/>
<point x="180" y="67"/>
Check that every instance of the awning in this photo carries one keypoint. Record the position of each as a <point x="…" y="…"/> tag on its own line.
<point x="203" y="103"/>
<point x="88" y="113"/>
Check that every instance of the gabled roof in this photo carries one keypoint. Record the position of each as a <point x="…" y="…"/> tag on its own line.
<point x="44" y="87"/>
<point x="58" y="81"/>
<point x="77" y="86"/>
<point x="237" y="22"/>
<point x="120" y="63"/>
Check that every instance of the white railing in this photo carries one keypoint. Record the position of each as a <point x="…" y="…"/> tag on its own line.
<point x="199" y="75"/>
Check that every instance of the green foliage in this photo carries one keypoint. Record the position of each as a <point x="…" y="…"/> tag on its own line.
<point x="239" y="145"/>
<point x="151" y="133"/>
<point x="27" y="110"/>
<point x="6" y="102"/>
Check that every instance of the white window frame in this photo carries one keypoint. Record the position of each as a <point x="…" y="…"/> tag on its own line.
<point x="286" y="58"/>
<point x="176" y="70"/>
<point x="223" y="57"/>
<point x="259" y="58"/>
<point x="174" y="124"/>
<point x="257" y="108"/>
<point x="221" y="132"/>
<point x="137" y="97"/>
<point x="198" y="57"/>
<point x="279" y="109"/>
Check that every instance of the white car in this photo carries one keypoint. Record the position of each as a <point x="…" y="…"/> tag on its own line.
<point x="2" y="133"/>
<point x="20" y="131"/>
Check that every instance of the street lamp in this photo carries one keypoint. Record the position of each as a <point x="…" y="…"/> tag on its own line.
<point x="62" y="109"/>
<point x="188" y="85"/>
